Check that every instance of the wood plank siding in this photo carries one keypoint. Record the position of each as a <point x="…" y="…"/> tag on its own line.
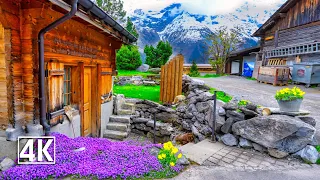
<point x="296" y="23"/>
<point x="74" y="45"/>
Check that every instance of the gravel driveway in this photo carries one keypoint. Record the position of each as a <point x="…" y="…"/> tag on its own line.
<point x="263" y="94"/>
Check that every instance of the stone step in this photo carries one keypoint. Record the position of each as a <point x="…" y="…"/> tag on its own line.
<point x="128" y="106"/>
<point x="120" y="119"/>
<point x="118" y="135"/>
<point x="125" y="112"/>
<point x="116" y="126"/>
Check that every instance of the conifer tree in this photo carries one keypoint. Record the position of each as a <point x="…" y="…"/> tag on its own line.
<point x="131" y="28"/>
<point x="194" y="70"/>
<point x="114" y="8"/>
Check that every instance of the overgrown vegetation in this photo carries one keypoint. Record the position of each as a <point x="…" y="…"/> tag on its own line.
<point x="221" y="95"/>
<point x="220" y="44"/>
<point x="194" y="70"/>
<point x="158" y="56"/>
<point x="151" y="93"/>
<point x="128" y="58"/>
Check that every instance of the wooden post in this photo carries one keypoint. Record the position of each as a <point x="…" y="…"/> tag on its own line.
<point x="162" y="83"/>
<point x="181" y="61"/>
<point x="173" y="68"/>
<point x="176" y="77"/>
<point x="81" y="102"/>
<point x="99" y="93"/>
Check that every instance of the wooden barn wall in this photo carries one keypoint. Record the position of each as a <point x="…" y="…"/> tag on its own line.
<point x="72" y="43"/>
<point x="304" y="12"/>
<point x="11" y="75"/>
<point x="301" y="24"/>
<point x="299" y="35"/>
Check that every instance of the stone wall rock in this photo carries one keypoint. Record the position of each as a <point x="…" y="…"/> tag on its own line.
<point x="280" y="132"/>
<point x="308" y="154"/>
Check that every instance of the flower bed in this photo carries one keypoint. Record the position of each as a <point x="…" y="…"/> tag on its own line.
<point x="99" y="159"/>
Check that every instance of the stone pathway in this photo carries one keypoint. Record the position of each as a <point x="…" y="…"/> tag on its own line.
<point x="207" y="153"/>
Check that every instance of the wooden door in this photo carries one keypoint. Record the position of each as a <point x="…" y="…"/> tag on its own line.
<point x="87" y="121"/>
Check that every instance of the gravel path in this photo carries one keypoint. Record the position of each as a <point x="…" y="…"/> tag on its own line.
<point x="263" y="94"/>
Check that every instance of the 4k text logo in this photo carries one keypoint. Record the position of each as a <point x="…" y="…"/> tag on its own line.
<point x="35" y="150"/>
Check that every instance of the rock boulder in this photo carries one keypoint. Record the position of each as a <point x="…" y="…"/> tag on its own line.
<point x="280" y="132"/>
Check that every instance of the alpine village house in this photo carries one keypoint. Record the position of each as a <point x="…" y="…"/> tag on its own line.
<point x="57" y="59"/>
<point x="292" y="34"/>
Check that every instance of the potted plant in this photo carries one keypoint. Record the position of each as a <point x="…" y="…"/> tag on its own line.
<point x="290" y="100"/>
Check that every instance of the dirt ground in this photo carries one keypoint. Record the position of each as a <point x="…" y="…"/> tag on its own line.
<point x="263" y="94"/>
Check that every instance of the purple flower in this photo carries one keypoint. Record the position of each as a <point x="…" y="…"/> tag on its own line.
<point x="100" y="158"/>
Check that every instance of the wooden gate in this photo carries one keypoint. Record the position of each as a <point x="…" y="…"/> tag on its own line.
<point x="171" y="79"/>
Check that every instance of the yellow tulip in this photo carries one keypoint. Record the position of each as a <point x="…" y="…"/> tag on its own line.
<point x="164" y="156"/>
<point x="179" y="156"/>
<point x="159" y="156"/>
<point x="172" y="164"/>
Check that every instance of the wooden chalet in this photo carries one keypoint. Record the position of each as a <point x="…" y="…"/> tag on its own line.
<point x="75" y="78"/>
<point x="291" y="35"/>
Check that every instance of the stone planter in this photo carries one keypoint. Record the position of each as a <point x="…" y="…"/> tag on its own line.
<point x="290" y="106"/>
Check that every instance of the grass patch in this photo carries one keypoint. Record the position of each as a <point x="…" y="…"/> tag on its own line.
<point x="212" y="75"/>
<point x="133" y="73"/>
<point x="221" y="95"/>
<point x="251" y="78"/>
<point x="151" y="93"/>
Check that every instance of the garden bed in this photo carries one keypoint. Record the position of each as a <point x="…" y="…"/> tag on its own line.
<point x="98" y="158"/>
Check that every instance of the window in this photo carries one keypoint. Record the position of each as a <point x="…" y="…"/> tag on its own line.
<point x="67" y="86"/>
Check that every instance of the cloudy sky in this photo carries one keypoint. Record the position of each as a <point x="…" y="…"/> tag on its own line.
<point x="208" y="7"/>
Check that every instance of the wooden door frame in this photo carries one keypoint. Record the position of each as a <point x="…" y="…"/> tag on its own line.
<point x="95" y="116"/>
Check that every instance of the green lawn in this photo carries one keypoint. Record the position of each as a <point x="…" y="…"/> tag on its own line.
<point x="133" y="73"/>
<point x="212" y="75"/>
<point x="151" y="93"/>
<point x="221" y="96"/>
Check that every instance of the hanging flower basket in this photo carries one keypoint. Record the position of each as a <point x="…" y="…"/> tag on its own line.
<point x="290" y="100"/>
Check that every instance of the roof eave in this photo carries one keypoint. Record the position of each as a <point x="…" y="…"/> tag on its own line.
<point x="283" y="9"/>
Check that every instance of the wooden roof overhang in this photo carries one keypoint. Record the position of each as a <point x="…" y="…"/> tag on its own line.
<point x="280" y="13"/>
<point x="86" y="16"/>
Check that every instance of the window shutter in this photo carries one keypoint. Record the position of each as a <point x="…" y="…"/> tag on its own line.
<point x="106" y="82"/>
<point x="55" y="75"/>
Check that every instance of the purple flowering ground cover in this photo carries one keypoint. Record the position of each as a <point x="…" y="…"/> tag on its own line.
<point x="101" y="159"/>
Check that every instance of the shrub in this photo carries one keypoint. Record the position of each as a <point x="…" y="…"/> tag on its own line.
<point x="194" y="70"/>
<point x="288" y="94"/>
<point x="158" y="56"/>
<point x="128" y="58"/>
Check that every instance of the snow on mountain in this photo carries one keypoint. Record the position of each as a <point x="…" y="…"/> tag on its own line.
<point x="186" y="32"/>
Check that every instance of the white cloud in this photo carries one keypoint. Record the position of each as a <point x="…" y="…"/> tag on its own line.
<point x="208" y="7"/>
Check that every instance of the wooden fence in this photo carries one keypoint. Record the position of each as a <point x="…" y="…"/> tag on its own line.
<point x="171" y="79"/>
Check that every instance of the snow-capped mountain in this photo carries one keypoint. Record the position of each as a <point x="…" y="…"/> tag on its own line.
<point x="186" y="32"/>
